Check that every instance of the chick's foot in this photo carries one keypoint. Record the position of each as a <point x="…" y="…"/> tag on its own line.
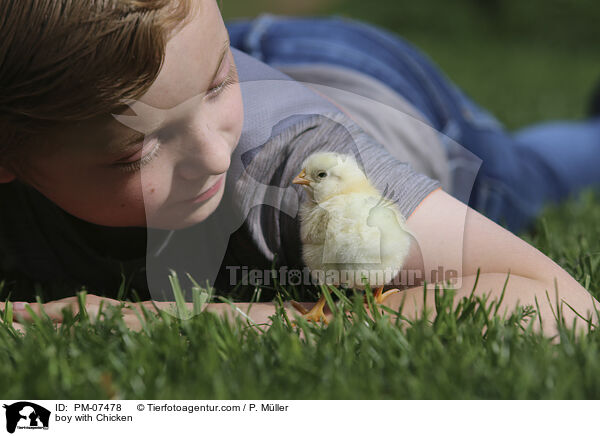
<point x="379" y="296"/>
<point x="315" y="314"/>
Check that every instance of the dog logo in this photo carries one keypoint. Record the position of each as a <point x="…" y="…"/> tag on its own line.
<point x="26" y="415"/>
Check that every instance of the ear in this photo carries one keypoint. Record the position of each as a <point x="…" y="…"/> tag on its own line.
<point x="6" y="176"/>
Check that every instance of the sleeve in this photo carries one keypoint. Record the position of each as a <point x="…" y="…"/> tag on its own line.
<point x="274" y="224"/>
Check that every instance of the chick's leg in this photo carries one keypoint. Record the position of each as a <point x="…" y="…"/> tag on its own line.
<point x="315" y="314"/>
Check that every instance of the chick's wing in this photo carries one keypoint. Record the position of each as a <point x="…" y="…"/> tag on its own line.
<point x="348" y="237"/>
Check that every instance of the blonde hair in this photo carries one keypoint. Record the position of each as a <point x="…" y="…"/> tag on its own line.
<point x="68" y="60"/>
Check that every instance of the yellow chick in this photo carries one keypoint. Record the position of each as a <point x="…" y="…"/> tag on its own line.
<point x="348" y="230"/>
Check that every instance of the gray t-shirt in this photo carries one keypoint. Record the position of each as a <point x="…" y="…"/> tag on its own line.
<point x="382" y="113"/>
<point x="255" y="227"/>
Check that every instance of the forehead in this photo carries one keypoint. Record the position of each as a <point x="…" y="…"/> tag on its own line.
<point x="191" y="57"/>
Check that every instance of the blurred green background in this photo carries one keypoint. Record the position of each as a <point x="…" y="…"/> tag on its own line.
<point x="525" y="61"/>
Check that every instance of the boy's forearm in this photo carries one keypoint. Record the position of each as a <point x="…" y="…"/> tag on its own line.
<point x="452" y="237"/>
<point x="507" y="253"/>
<point x="519" y="290"/>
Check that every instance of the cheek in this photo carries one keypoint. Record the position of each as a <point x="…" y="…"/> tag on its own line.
<point x="102" y="196"/>
<point x="117" y="203"/>
<point x="98" y="203"/>
<point x="156" y="186"/>
<point x="126" y="201"/>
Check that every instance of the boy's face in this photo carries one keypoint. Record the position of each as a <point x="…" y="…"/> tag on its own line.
<point x="199" y="125"/>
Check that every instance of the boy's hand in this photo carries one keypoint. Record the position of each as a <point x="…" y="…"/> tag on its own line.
<point x="17" y="326"/>
<point x="53" y="309"/>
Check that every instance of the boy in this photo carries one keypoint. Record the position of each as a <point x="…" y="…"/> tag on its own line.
<point x="119" y="193"/>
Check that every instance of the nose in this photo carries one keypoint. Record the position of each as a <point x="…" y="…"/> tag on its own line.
<point x="204" y="152"/>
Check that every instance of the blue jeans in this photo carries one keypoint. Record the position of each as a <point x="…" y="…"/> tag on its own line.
<point x="521" y="172"/>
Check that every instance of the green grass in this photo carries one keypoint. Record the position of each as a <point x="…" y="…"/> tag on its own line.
<point x="526" y="62"/>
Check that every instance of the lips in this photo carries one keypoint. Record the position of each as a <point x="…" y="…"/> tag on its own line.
<point x="210" y="192"/>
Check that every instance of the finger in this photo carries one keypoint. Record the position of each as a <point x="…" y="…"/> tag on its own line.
<point x="53" y="309"/>
<point x="151" y="306"/>
<point x="156" y="306"/>
<point x="19" y="327"/>
<point x="133" y="322"/>
<point x="127" y="309"/>
<point x="93" y="307"/>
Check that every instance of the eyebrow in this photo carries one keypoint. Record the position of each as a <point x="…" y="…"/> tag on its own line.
<point x="221" y="58"/>
<point x="139" y="136"/>
<point x="123" y="147"/>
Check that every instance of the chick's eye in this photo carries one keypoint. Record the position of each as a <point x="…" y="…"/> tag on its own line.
<point x="322" y="175"/>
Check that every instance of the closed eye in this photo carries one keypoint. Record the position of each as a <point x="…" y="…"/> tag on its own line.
<point x="132" y="167"/>
<point x="215" y="92"/>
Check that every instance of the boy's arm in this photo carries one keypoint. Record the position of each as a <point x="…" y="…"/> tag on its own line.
<point x="257" y="313"/>
<point x="452" y="237"/>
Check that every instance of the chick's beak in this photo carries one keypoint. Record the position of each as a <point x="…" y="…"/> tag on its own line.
<point x="300" y="179"/>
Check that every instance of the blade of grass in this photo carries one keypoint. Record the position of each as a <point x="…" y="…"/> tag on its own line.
<point x="182" y="311"/>
<point x="8" y="313"/>
<point x="329" y="300"/>
<point x="502" y="294"/>
<point x="81" y="299"/>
